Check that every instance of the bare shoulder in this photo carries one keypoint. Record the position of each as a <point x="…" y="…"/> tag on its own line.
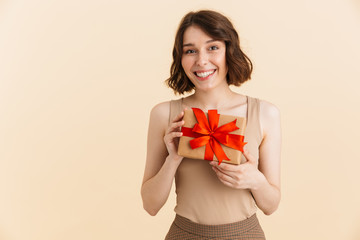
<point x="269" y="118"/>
<point x="161" y="109"/>
<point x="269" y="110"/>
<point x="160" y="114"/>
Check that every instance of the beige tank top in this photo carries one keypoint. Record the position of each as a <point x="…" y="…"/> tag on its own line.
<point x="201" y="197"/>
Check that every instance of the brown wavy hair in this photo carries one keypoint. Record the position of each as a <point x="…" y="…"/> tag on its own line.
<point x="219" y="28"/>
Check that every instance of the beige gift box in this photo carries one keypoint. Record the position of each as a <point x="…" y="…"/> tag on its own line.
<point x="185" y="149"/>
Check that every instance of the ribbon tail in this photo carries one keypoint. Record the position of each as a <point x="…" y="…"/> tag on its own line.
<point x="209" y="154"/>
<point x="236" y="142"/>
<point x="218" y="151"/>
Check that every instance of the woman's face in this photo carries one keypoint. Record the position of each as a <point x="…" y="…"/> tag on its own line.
<point x="203" y="59"/>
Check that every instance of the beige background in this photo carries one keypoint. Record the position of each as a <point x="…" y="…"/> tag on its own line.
<point x="79" y="78"/>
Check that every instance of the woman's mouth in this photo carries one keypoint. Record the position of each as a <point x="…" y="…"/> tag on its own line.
<point x="204" y="74"/>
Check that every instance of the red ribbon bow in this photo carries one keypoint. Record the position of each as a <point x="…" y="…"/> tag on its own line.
<point x="209" y="134"/>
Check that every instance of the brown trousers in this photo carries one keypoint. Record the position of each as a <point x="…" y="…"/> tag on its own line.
<point x="184" y="229"/>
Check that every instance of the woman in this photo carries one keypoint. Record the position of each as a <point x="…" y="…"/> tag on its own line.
<point x="213" y="201"/>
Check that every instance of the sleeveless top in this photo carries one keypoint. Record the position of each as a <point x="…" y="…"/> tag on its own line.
<point x="200" y="196"/>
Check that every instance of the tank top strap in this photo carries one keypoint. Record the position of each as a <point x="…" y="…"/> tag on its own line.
<point x="253" y="118"/>
<point x="175" y="108"/>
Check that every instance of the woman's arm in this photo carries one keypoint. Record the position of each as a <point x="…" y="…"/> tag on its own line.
<point x="268" y="194"/>
<point x="261" y="176"/>
<point x="162" y="159"/>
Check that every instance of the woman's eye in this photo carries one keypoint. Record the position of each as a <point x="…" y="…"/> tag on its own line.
<point x="189" y="51"/>
<point x="213" y="48"/>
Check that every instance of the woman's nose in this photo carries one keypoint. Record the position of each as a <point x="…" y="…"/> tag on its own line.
<point x="202" y="59"/>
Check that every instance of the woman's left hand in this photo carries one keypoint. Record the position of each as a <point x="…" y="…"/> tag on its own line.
<point x="242" y="176"/>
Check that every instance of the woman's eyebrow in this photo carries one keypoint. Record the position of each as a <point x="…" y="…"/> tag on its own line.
<point x="188" y="45"/>
<point x="211" y="40"/>
<point x="191" y="44"/>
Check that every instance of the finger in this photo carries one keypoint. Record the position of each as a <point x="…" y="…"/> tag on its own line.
<point x="178" y="117"/>
<point x="229" y="184"/>
<point x="231" y="174"/>
<point x="170" y="137"/>
<point x="249" y="157"/>
<point x="225" y="166"/>
<point x="234" y="175"/>
<point x="175" y="126"/>
<point x="224" y="177"/>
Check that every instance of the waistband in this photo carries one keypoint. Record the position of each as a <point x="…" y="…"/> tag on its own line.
<point x="223" y="230"/>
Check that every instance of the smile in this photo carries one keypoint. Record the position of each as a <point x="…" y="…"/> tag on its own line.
<point x="204" y="74"/>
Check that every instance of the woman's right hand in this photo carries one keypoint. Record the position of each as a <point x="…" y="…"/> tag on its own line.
<point x="172" y="135"/>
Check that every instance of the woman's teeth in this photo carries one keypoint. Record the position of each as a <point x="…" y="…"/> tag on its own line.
<point x="204" y="74"/>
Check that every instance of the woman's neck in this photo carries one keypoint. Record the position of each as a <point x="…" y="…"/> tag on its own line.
<point x="213" y="99"/>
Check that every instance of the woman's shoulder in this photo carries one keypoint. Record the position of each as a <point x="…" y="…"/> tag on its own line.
<point x="269" y="116"/>
<point x="268" y="109"/>
<point x="159" y="116"/>
<point x="265" y="106"/>
<point x="160" y="110"/>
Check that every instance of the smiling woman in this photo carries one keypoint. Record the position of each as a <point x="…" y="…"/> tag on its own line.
<point x="213" y="200"/>
<point x="218" y="29"/>
<point x="203" y="59"/>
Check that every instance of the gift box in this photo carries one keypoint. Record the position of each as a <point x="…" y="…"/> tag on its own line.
<point x="212" y="136"/>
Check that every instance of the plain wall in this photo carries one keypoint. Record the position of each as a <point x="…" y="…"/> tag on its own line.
<point x="78" y="80"/>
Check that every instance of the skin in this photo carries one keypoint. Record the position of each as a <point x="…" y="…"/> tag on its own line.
<point x="201" y="53"/>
